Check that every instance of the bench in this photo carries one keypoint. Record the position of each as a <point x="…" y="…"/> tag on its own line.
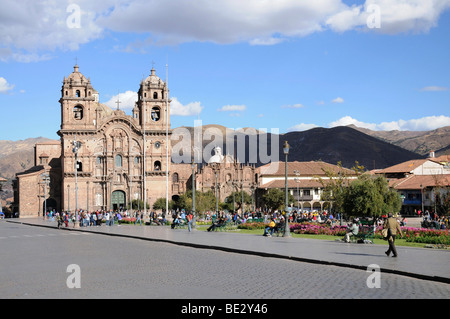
<point x="254" y="220"/>
<point x="220" y="227"/>
<point x="366" y="232"/>
<point x="279" y="230"/>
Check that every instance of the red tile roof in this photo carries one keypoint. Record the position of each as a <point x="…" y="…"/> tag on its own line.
<point x="312" y="168"/>
<point x="404" y="167"/>
<point x="418" y="181"/>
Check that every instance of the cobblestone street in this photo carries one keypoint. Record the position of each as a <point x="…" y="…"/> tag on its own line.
<point x="35" y="259"/>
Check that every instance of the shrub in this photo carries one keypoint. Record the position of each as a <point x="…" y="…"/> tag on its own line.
<point x="251" y="226"/>
<point x="422" y="235"/>
<point x="317" y="229"/>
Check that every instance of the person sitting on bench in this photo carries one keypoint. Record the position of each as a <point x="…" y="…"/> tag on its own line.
<point x="270" y="227"/>
<point x="220" y="222"/>
<point x="176" y="221"/>
<point x="352" y="230"/>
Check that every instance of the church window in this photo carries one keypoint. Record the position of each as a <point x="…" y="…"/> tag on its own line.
<point x="137" y="160"/>
<point x="156" y="113"/>
<point x="175" y="178"/>
<point x="79" y="166"/>
<point x="157" y="166"/>
<point x="118" y="160"/>
<point x="99" y="160"/>
<point x="98" y="199"/>
<point x="77" y="93"/>
<point x="155" y="95"/>
<point x="78" y="112"/>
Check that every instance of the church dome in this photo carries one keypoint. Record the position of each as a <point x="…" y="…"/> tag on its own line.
<point x="153" y="79"/>
<point x="217" y="157"/>
<point x="76" y="77"/>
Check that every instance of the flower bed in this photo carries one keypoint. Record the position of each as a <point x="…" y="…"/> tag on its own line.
<point x="417" y="235"/>
<point x="426" y="235"/>
<point x="317" y="229"/>
<point x="127" y="220"/>
<point x="422" y="235"/>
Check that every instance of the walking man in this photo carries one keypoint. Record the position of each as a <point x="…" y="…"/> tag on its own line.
<point x="392" y="225"/>
<point x="138" y="218"/>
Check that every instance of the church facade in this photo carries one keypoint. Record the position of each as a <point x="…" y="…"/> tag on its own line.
<point x="105" y="158"/>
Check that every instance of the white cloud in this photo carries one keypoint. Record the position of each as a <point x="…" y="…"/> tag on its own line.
<point x="266" y="41"/>
<point x="434" y="88"/>
<point x="5" y="86"/>
<point x="293" y="106"/>
<point x="227" y="108"/>
<point x="127" y="100"/>
<point x="394" y="16"/>
<point x="31" y="29"/>
<point x="301" y="127"/>
<point x="338" y="100"/>
<point x="176" y="108"/>
<point x="421" y="124"/>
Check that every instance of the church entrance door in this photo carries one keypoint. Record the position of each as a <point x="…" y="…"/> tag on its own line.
<point x="118" y="200"/>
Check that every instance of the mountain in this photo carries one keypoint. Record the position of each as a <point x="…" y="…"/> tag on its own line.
<point x="332" y="145"/>
<point x="346" y="145"/>
<point x="15" y="157"/>
<point x="421" y="142"/>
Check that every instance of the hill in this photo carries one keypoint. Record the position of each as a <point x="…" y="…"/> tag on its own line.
<point x="346" y="145"/>
<point x="332" y="145"/>
<point x="420" y="142"/>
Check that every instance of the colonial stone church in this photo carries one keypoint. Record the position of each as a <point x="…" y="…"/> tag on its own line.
<point x="105" y="158"/>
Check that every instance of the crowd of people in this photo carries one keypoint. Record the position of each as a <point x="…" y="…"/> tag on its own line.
<point x="108" y="218"/>
<point x="433" y="220"/>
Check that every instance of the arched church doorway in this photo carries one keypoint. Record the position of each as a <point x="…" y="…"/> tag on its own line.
<point x="118" y="200"/>
<point x="49" y="204"/>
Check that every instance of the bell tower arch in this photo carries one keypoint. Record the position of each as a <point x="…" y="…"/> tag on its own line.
<point x="78" y="102"/>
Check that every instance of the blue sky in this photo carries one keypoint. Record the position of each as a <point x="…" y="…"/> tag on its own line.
<point x="274" y="64"/>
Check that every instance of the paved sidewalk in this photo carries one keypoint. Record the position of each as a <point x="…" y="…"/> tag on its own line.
<point x="423" y="263"/>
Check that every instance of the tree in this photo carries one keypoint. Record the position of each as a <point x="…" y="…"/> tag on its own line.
<point x="336" y="182"/>
<point x="275" y="199"/>
<point x="369" y="196"/>
<point x="184" y="201"/>
<point x="138" y="204"/>
<point x="204" y="201"/>
<point x="160" y="203"/>
<point x="228" y="204"/>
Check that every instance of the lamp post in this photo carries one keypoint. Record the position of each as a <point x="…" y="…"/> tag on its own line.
<point x="242" y="198"/>
<point x="1" y="189"/>
<point x="421" y="197"/>
<point x="76" y="147"/>
<point x="297" y="180"/>
<point x="234" y="201"/>
<point x="287" y="232"/>
<point x="217" y="198"/>
<point x="46" y="180"/>
<point x="194" y="224"/>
